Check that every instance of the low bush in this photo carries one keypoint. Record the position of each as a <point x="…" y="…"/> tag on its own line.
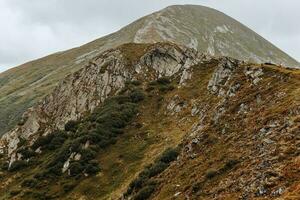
<point x="169" y="155"/>
<point x="69" y="187"/>
<point x="145" y="193"/>
<point x="163" y="81"/>
<point x="229" y="165"/>
<point x="42" y="141"/>
<point x="211" y="174"/>
<point x="76" y="168"/>
<point x="92" y="168"/>
<point x="26" y="153"/>
<point x="4" y="165"/>
<point x="51" y="141"/>
<point x="71" y="126"/>
<point x="196" y="187"/>
<point x="30" y="183"/>
<point x="137" y="96"/>
<point x="166" y="88"/>
<point x="157" y="168"/>
<point x="18" y="165"/>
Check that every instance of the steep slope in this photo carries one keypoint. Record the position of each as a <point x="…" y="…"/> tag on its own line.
<point x="202" y="28"/>
<point x="201" y="127"/>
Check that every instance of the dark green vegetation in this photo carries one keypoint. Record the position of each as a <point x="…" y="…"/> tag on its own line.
<point x="143" y="186"/>
<point x="87" y="138"/>
<point x="163" y="84"/>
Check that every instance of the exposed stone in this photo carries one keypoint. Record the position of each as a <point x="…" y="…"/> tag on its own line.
<point x="254" y="74"/>
<point x="176" y="105"/>
<point x="221" y="76"/>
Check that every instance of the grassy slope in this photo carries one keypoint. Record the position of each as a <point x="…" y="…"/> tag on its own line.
<point x="241" y="143"/>
<point x="138" y="147"/>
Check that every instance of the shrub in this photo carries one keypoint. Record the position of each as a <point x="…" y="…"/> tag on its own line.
<point x="229" y="165"/>
<point x="169" y="155"/>
<point x="71" y="126"/>
<point x="26" y="153"/>
<point x="137" y="96"/>
<point x="87" y="154"/>
<point x="163" y="81"/>
<point x="166" y="88"/>
<point x="4" y="166"/>
<point x="92" y="168"/>
<point x="54" y="170"/>
<point x="51" y="141"/>
<point x="56" y="142"/>
<point x="42" y="141"/>
<point x="69" y="187"/>
<point x="150" y="88"/>
<point x="196" y="187"/>
<point x="138" y="182"/>
<point x="31" y="183"/>
<point x="157" y="168"/>
<point x="145" y="193"/>
<point x="211" y="174"/>
<point x="18" y="165"/>
<point x="76" y="168"/>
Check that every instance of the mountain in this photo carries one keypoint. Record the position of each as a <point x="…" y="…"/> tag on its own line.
<point x="159" y="121"/>
<point x="205" y="29"/>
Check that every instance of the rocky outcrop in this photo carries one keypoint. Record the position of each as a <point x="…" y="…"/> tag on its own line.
<point x="104" y="76"/>
<point x="222" y="76"/>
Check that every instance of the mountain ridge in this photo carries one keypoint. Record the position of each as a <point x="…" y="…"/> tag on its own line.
<point x="205" y="127"/>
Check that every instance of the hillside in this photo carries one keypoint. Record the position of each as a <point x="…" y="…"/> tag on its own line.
<point x="202" y="28"/>
<point x="159" y="121"/>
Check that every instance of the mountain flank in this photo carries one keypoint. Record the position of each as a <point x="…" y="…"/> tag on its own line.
<point x="159" y="121"/>
<point x="204" y="29"/>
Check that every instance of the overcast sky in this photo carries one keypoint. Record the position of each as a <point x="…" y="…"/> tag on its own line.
<point x="30" y="29"/>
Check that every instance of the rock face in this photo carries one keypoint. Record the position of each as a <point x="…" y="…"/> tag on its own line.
<point x="104" y="76"/>
<point x="201" y="28"/>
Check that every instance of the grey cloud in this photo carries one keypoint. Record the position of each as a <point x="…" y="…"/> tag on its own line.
<point x="34" y="28"/>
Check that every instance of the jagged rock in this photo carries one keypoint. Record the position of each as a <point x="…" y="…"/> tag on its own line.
<point x="176" y="105"/>
<point x="195" y="110"/>
<point x="254" y="74"/>
<point x="243" y="109"/>
<point x="104" y="76"/>
<point x="222" y="76"/>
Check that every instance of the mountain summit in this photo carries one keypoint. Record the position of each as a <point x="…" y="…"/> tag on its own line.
<point x="209" y="31"/>
<point x="205" y="29"/>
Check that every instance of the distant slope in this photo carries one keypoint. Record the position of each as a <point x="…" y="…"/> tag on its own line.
<point x="198" y="27"/>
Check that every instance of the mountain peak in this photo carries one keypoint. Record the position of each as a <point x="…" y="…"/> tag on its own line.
<point x="204" y="29"/>
<point x="208" y="31"/>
